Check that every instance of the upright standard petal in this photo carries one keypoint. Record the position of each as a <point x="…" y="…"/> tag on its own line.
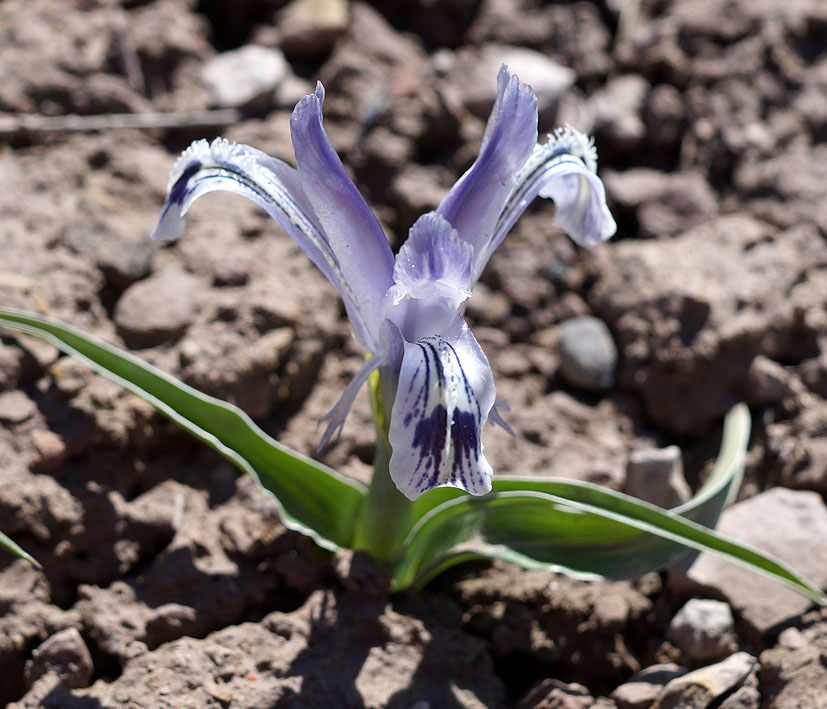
<point x="353" y="233"/>
<point x="273" y="185"/>
<point x="564" y="170"/>
<point x="477" y="199"/>
<point x="432" y="278"/>
<point x="444" y="396"/>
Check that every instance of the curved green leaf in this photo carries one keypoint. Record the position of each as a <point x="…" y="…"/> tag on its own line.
<point x="585" y="530"/>
<point x="10" y="546"/>
<point x="705" y="507"/>
<point x="311" y="498"/>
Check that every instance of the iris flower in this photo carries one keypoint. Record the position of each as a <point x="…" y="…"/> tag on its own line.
<point x="406" y="311"/>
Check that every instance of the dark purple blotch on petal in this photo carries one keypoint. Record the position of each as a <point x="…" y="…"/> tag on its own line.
<point x="431" y="431"/>
<point x="179" y="189"/>
<point x="466" y="445"/>
<point x="429" y="438"/>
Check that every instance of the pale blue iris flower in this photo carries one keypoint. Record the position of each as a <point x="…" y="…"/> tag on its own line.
<point x="406" y="311"/>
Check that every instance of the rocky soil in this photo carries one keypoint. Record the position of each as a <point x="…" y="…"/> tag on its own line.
<point x="168" y="583"/>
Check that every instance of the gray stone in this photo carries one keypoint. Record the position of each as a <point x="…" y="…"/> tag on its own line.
<point x="244" y="76"/>
<point x="641" y="689"/>
<point x="657" y="476"/>
<point x="65" y="654"/>
<point x="588" y="355"/>
<point x="416" y="190"/>
<point x="16" y="407"/>
<point x="698" y="689"/>
<point x="632" y="188"/>
<point x="704" y="630"/>
<point x="789" y="524"/>
<point x="51" y="450"/>
<point x="157" y="309"/>
<point x="686" y="201"/>
<point x="11" y="363"/>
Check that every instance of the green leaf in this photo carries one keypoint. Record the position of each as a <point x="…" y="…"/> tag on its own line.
<point x="705" y="507"/>
<point x="9" y="545"/>
<point x="585" y="530"/>
<point x="311" y="498"/>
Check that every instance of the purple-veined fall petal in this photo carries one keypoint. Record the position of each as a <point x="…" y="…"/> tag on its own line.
<point x="444" y="396"/>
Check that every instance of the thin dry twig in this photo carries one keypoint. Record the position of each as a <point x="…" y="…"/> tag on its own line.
<point x="22" y="124"/>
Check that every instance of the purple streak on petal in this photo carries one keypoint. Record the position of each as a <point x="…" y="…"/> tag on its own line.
<point x="476" y="200"/>
<point x="353" y="232"/>
<point x="564" y="170"/>
<point x="445" y="393"/>
<point x="268" y="182"/>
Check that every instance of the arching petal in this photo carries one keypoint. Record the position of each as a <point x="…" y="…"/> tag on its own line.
<point x="445" y="393"/>
<point x="477" y="199"/>
<point x="564" y="170"/>
<point x="353" y="233"/>
<point x="274" y="186"/>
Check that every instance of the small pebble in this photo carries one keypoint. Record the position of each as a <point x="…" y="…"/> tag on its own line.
<point x="704" y="630"/>
<point x="157" y="309"/>
<point x="230" y="274"/>
<point x="244" y="76"/>
<point x="553" y="694"/>
<point x="588" y="354"/>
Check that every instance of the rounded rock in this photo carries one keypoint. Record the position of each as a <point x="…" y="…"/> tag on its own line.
<point x="588" y="354"/>
<point x="158" y="309"/>
<point x="703" y="629"/>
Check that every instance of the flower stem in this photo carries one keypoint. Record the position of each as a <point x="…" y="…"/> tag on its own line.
<point x="386" y="512"/>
